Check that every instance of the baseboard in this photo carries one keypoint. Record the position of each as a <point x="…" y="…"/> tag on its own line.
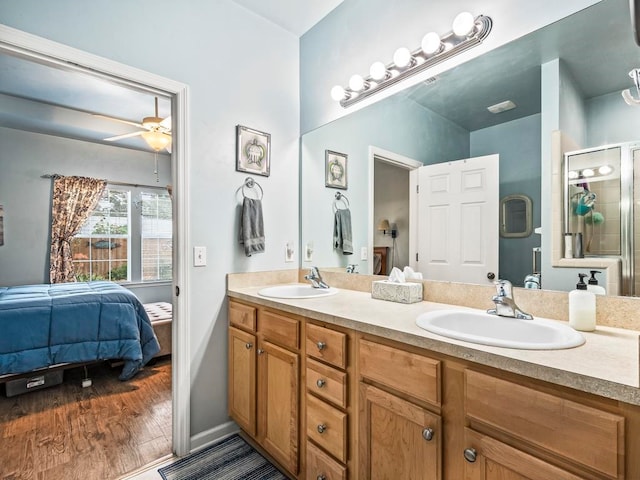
<point x="208" y="437"/>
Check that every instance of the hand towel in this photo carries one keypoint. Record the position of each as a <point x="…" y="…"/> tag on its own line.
<point x="342" y="238"/>
<point x="252" y="226"/>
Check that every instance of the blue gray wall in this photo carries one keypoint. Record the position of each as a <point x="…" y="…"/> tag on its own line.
<point x="518" y="143"/>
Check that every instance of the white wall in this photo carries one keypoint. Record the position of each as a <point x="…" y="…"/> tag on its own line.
<point x="241" y="69"/>
<point x="357" y="33"/>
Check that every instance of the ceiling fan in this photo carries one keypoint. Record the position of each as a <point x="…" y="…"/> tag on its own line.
<point x="157" y="131"/>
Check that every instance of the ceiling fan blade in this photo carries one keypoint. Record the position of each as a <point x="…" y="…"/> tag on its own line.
<point x="166" y="123"/>
<point x="120" y="137"/>
<point x="128" y="122"/>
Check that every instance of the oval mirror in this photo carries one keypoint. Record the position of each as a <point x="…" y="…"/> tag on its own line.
<point x="515" y="216"/>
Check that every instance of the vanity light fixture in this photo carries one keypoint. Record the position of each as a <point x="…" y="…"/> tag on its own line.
<point x="600" y="171"/>
<point x="466" y="32"/>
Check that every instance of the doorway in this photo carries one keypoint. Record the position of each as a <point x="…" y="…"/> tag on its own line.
<point x="36" y="49"/>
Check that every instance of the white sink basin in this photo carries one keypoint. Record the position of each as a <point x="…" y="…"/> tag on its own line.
<point x="483" y="328"/>
<point x="296" y="290"/>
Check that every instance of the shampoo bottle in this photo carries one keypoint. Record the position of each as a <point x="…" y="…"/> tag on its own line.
<point x="582" y="307"/>
<point x="593" y="284"/>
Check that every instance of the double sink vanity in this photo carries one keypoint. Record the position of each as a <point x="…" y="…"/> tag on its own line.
<point x="333" y="384"/>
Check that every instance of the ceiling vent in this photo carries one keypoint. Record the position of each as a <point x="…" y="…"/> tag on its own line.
<point x="502" y="107"/>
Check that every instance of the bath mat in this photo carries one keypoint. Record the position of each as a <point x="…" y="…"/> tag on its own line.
<point x="229" y="459"/>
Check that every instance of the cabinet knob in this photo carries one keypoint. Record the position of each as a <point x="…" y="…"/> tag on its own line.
<point x="321" y="477"/>
<point x="320" y="383"/>
<point x="470" y="454"/>
<point x="260" y="351"/>
<point x="249" y="345"/>
<point x="427" y="434"/>
<point x="321" y="345"/>
<point x="322" y="428"/>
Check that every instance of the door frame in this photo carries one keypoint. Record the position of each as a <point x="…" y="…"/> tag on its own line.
<point x="402" y="162"/>
<point x="47" y="52"/>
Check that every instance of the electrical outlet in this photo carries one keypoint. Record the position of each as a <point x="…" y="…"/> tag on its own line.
<point x="363" y="253"/>
<point x="199" y="256"/>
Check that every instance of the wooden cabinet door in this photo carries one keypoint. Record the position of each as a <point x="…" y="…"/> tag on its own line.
<point x="242" y="379"/>
<point x="489" y="459"/>
<point x="278" y="412"/>
<point x="398" y="439"/>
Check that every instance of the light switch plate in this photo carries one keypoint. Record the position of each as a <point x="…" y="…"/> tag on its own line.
<point x="363" y="253"/>
<point x="199" y="256"/>
<point x="308" y="252"/>
<point x="289" y="252"/>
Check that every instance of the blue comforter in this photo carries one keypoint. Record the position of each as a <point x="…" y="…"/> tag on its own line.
<point x="44" y="325"/>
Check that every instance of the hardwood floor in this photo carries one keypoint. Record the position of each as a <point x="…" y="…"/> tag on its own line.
<point x="100" y="432"/>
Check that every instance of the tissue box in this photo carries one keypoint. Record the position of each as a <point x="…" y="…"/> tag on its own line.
<point x="396" y="292"/>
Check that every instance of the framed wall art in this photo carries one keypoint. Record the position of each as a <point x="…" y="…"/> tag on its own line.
<point x="335" y="169"/>
<point x="253" y="151"/>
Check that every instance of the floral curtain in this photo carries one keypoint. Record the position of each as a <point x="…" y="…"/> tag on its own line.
<point x="74" y="198"/>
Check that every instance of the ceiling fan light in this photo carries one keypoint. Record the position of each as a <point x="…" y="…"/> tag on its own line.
<point x="156" y="140"/>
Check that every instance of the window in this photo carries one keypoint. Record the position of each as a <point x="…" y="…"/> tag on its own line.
<point x="127" y="238"/>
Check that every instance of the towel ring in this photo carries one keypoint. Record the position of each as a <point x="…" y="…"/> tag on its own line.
<point x="251" y="183"/>
<point x="340" y="197"/>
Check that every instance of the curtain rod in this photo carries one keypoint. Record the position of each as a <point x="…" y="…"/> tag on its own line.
<point x="123" y="184"/>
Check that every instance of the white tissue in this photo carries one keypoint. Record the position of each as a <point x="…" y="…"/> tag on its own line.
<point x="411" y="274"/>
<point x="396" y="275"/>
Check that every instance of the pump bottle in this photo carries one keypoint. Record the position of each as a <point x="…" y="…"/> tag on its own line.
<point x="593" y="284"/>
<point x="582" y="307"/>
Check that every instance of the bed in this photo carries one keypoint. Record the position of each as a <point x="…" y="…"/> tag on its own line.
<point x="47" y="325"/>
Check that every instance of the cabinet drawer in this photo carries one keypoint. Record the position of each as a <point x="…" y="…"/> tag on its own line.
<point x="583" y="434"/>
<point x="327" y="426"/>
<point x="279" y="329"/>
<point x="321" y="465"/>
<point x="406" y="372"/>
<point x="327" y="345"/>
<point x="327" y="382"/>
<point x="242" y="316"/>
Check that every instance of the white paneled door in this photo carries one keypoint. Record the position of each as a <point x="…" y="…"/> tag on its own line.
<point x="458" y="220"/>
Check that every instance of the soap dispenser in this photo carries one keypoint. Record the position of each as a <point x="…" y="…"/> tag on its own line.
<point x="582" y="307"/>
<point x="593" y="284"/>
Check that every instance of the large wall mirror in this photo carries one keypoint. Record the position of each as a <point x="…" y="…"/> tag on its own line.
<point x="447" y="119"/>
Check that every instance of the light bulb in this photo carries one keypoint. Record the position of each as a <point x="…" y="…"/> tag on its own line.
<point x="431" y="43"/>
<point x="356" y="83"/>
<point x="588" y="172"/>
<point x="463" y="24"/>
<point x="378" y="71"/>
<point x="337" y="93"/>
<point x="402" y="57"/>
<point x="573" y="174"/>
<point x="605" y="170"/>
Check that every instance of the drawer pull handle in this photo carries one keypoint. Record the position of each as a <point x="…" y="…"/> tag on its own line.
<point x="427" y="434"/>
<point x="470" y="454"/>
<point x="320" y="383"/>
<point x="260" y="351"/>
<point x="249" y="345"/>
<point x="321" y="345"/>
<point x="321" y="477"/>
<point x="322" y="428"/>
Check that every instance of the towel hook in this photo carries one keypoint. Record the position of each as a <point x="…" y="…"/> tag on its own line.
<point x="340" y="197"/>
<point x="251" y="183"/>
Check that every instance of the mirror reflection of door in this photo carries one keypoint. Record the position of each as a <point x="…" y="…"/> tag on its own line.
<point x="458" y="220"/>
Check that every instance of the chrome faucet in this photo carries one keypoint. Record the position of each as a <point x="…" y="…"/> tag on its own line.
<point x="505" y="304"/>
<point x="315" y="278"/>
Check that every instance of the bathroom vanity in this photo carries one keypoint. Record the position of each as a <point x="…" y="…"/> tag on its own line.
<point x="348" y="386"/>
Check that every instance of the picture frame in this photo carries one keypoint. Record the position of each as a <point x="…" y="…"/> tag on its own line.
<point x="253" y="151"/>
<point x="335" y="169"/>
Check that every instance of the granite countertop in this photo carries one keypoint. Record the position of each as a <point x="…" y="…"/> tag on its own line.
<point x="606" y="365"/>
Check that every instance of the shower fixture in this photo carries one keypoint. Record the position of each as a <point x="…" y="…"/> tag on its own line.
<point x="626" y="94"/>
